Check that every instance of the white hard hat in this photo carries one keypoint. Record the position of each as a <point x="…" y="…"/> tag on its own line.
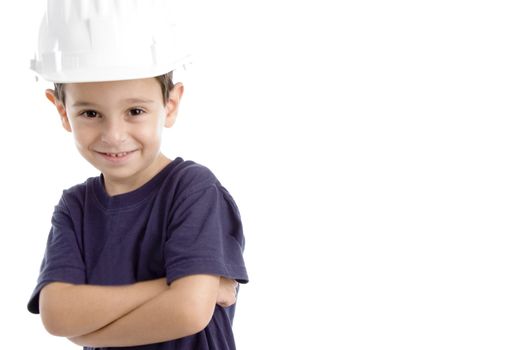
<point x="104" y="40"/>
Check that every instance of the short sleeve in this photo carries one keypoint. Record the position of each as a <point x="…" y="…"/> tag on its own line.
<point x="205" y="236"/>
<point x="62" y="259"/>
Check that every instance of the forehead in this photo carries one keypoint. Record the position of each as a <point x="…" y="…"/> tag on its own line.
<point x="108" y="91"/>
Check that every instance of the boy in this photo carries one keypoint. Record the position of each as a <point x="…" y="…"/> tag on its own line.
<point x="147" y="255"/>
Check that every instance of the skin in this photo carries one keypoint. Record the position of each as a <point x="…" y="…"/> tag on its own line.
<point x="117" y="127"/>
<point x="117" y="117"/>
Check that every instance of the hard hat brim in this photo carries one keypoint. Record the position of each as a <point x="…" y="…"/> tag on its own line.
<point x="110" y="74"/>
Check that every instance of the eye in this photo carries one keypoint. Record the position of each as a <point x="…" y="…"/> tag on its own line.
<point x="135" y="112"/>
<point x="89" y="114"/>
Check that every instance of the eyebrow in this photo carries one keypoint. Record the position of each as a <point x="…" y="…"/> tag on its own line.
<point x="132" y="100"/>
<point x="84" y="104"/>
<point x="137" y="100"/>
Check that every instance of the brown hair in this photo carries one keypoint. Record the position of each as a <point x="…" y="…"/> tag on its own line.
<point x="164" y="80"/>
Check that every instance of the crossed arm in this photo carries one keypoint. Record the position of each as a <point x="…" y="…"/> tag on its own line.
<point x="108" y="316"/>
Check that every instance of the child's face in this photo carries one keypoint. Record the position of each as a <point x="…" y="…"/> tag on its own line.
<point x="117" y="126"/>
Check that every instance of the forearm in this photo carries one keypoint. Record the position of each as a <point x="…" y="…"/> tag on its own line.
<point x="72" y="310"/>
<point x="176" y="313"/>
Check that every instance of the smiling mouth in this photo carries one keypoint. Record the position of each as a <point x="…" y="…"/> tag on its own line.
<point x="116" y="155"/>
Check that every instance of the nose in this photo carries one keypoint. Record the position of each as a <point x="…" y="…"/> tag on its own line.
<point x="114" y="132"/>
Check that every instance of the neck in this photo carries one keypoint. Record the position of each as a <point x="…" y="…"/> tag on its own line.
<point x="116" y="186"/>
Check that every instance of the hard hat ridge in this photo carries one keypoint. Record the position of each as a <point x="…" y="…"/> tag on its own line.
<point x="100" y="40"/>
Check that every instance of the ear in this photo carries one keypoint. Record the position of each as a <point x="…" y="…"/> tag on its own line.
<point x="61" y="109"/>
<point x="172" y="105"/>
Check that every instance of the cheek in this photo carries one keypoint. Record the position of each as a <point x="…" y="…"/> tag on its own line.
<point x="149" y="133"/>
<point x="83" y="136"/>
<point x="155" y="128"/>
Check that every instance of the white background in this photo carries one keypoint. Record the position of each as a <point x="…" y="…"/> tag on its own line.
<point x="376" y="151"/>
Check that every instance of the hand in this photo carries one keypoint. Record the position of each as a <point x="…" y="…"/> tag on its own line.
<point x="226" y="296"/>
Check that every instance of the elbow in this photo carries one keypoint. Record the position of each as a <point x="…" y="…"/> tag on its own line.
<point x="51" y="320"/>
<point x="198" y="316"/>
<point x="53" y="325"/>
<point x="202" y="320"/>
<point x="53" y="315"/>
<point x="197" y="297"/>
<point x="57" y="323"/>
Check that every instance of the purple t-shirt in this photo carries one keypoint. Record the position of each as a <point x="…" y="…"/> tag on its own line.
<point x="182" y="222"/>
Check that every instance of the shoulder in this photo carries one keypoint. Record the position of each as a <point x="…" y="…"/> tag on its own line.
<point x="75" y="196"/>
<point x="194" y="180"/>
<point x="188" y="176"/>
